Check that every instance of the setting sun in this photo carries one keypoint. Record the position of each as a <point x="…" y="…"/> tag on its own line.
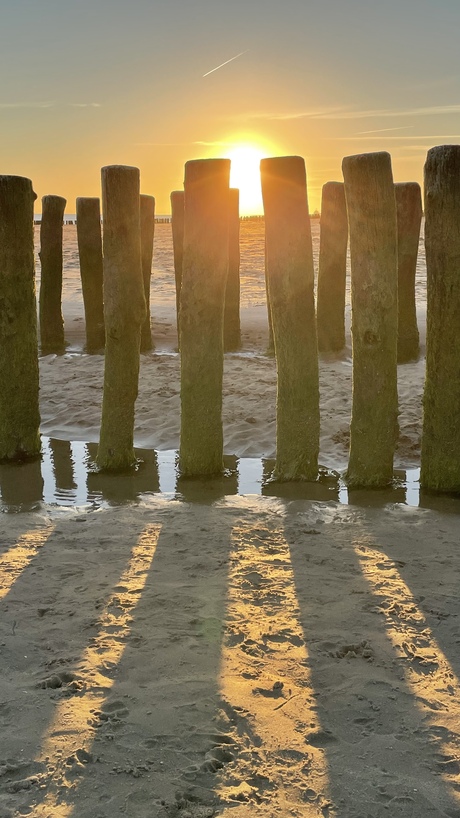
<point x="245" y="155"/>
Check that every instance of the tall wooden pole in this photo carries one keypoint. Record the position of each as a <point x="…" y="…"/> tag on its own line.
<point x="90" y="252"/>
<point x="232" y="329"/>
<point x="409" y="216"/>
<point x="204" y="279"/>
<point x="51" y="321"/>
<point x="370" y="195"/>
<point x="124" y="313"/>
<point x="147" y="235"/>
<point x="177" y="224"/>
<point x="290" y="275"/>
<point x="19" y="412"/>
<point x="332" y="268"/>
<point x="441" y="400"/>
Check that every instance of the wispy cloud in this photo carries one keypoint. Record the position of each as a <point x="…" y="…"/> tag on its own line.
<point x="350" y="114"/>
<point x="383" y="130"/>
<point x="5" y="105"/>
<point x="224" y="63"/>
<point x="433" y="137"/>
<point x="17" y="105"/>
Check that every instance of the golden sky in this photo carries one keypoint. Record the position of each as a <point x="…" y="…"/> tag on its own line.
<point x="154" y="84"/>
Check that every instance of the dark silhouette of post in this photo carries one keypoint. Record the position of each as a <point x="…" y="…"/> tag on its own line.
<point x="19" y="412"/>
<point x="332" y="268"/>
<point x="232" y="328"/>
<point x="147" y="234"/>
<point x="204" y="279"/>
<point x="124" y="313"/>
<point x="441" y="400"/>
<point x="90" y="252"/>
<point x="409" y="216"/>
<point x="370" y="195"/>
<point x="51" y="321"/>
<point x="177" y="224"/>
<point x="290" y="275"/>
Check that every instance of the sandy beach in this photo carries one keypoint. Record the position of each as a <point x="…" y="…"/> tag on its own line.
<point x="199" y="650"/>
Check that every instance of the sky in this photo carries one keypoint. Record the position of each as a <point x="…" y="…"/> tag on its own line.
<point x="87" y="83"/>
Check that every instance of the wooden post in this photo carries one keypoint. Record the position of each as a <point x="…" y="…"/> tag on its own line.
<point x="19" y="412"/>
<point x="177" y="224"/>
<point x="90" y="251"/>
<point x="51" y="321"/>
<point x="204" y="278"/>
<point x="441" y="400"/>
<point x="232" y="329"/>
<point x="147" y="234"/>
<point x="370" y="195"/>
<point x="124" y="313"/>
<point x="332" y="268"/>
<point x="409" y="216"/>
<point x="289" y="266"/>
<point x="271" y="343"/>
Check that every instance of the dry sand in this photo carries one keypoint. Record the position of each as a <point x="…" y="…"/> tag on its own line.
<point x="236" y="656"/>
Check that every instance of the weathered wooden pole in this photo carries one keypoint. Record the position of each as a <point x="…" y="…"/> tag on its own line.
<point x="51" y="321"/>
<point x="332" y="269"/>
<point x="271" y="344"/>
<point x="147" y="234"/>
<point x="370" y="195"/>
<point x="204" y="279"/>
<point x="90" y="252"/>
<point x="124" y="313"/>
<point x="232" y="328"/>
<point x="441" y="400"/>
<point x="290" y="275"/>
<point x="409" y="216"/>
<point x="177" y="224"/>
<point x="19" y="412"/>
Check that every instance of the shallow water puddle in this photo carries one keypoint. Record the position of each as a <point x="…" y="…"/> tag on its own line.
<point x="66" y="476"/>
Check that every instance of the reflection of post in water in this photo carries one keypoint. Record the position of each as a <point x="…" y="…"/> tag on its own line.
<point x="21" y="483"/>
<point x="324" y="489"/>
<point x="61" y="458"/>
<point x="122" y="487"/>
<point x="379" y="497"/>
<point x="210" y="489"/>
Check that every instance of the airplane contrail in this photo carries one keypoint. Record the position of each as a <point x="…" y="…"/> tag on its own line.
<point x="224" y="63"/>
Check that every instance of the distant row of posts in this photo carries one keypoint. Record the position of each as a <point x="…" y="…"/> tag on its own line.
<point x="383" y="222"/>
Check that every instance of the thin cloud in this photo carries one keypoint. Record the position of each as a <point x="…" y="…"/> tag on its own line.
<point x="382" y="130"/>
<point x="5" y="105"/>
<point x="84" y="104"/>
<point x="350" y="114"/>
<point x="224" y="63"/>
<point x="393" y="138"/>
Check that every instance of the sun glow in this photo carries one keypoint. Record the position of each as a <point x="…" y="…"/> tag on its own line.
<point x="245" y="155"/>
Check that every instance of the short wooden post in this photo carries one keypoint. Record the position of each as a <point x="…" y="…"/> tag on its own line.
<point x="90" y="252"/>
<point x="204" y="278"/>
<point x="51" y="321"/>
<point x="177" y="224"/>
<point x="19" y="412"/>
<point x="370" y="195"/>
<point x="124" y="313"/>
<point x="232" y="328"/>
<point x="332" y="268"/>
<point x="289" y="266"/>
<point x="409" y="216"/>
<point x="441" y="400"/>
<point x="147" y="234"/>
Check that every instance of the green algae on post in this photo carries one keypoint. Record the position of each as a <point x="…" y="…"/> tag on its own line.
<point x="409" y="217"/>
<point x="177" y="224"/>
<point x="124" y="313"/>
<point x="204" y="279"/>
<point x="51" y="321"/>
<point x="90" y="252"/>
<point x="147" y="234"/>
<point x="332" y="268"/>
<point x="371" y="206"/>
<point x="290" y="277"/>
<point x="440" y="467"/>
<point x="19" y="411"/>
<point x="232" y="329"/>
